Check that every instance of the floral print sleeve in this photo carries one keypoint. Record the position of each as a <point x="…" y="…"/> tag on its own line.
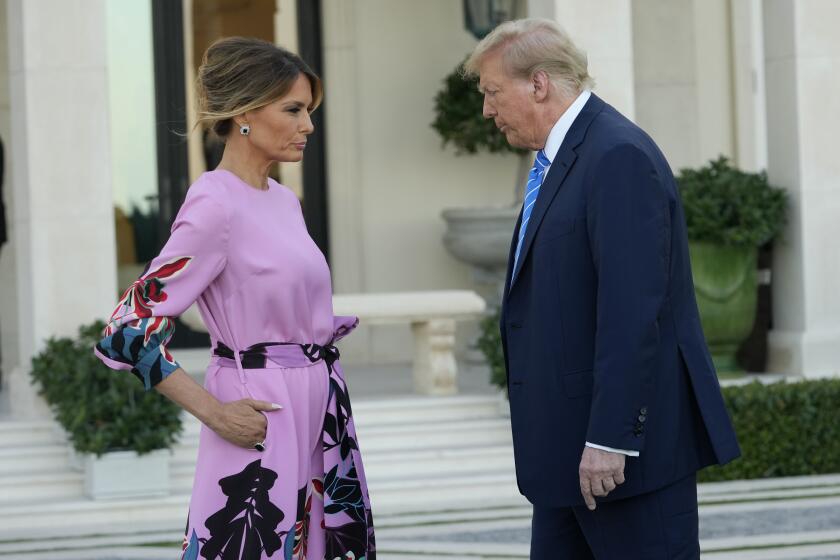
<point x="138" y="330"/>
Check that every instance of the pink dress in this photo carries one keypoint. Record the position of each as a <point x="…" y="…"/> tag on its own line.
<point x="264" y="291"/>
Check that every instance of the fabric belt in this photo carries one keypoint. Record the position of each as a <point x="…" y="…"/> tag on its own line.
<point x="283" y="354"/>
<point x="275" y="355"/>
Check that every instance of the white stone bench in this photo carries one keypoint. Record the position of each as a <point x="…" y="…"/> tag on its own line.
<point x="432" y="316"/>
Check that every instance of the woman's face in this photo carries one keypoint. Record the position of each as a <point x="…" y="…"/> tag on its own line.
<point x="279" y="129"/>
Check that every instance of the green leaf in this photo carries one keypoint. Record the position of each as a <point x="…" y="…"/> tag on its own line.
<point x="727" y="206"/>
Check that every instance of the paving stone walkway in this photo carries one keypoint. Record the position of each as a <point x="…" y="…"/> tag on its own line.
<point x="716" y="526"/>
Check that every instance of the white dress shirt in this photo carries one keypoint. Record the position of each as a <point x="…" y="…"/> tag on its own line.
<point x="552" y="146"/>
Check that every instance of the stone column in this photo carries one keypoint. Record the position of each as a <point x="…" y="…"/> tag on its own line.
<point x="435" y="369"/>
<point x="604" y="30"/>
<point x="286" y="35"/>
<point x="345" y="163"/>
<point x="684" y="77"/>
<point x="802" y="58"/>
<point x="63" y="216"/>
<point x="748" y="82"/>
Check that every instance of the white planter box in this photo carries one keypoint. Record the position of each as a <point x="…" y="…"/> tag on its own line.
<point x="124" y="474"/>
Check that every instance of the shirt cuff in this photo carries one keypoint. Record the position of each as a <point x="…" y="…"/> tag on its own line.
<point x="613" y="450"/>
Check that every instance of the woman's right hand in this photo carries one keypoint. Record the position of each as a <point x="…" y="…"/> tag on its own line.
<point x="242" y="422"/>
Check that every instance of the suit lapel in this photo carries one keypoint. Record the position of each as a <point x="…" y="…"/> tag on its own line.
<point x="560" y="168"/>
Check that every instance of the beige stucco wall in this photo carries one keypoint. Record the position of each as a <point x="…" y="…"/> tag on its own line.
<point x="389" y="178"/>
<point x="683" y="78"/>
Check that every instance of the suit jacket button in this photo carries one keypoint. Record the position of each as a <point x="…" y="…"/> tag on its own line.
<point x="642" y="418"/>
<point x="643" y="410"/>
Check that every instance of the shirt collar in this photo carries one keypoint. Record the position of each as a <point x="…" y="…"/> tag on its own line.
<point x="563" y="124"/>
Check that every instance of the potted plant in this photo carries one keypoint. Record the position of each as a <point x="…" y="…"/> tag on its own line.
<point x="729" y="214"/>
<point x="121" y="433"/>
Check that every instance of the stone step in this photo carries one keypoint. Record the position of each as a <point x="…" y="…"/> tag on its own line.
<point x="40" y="486"/>
<point x="22" y="433"/>
<point x="466" y="550"/>
<point x="410" y="427"/>
<point x="33" y="458"/>
<point x="143" y="552"/>
<point x="398" y="494"/>
<point x="105" y="542"/>
<point x="427" y="464"/>
<point x="472" y="448"/>
<point x="410" y="410"/>
<point x="405" y="411"/>
<point x="415" y="436"/>
<point x="386" y="444"/>
<point x="713" y="489"/>
<point x="830" y="551"/>
<point x="411" y="413"/>
<point x="77" y="517"/>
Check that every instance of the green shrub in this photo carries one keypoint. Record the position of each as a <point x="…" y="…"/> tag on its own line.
<point x="785" y="429"/>
<point x="458" y="118"/>
<point x="101" y="409"/>
<point x="490" y="344"/>
<point x="727" y="206"/>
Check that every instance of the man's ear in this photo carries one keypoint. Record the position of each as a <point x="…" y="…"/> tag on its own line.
<point x="540" y="85"/>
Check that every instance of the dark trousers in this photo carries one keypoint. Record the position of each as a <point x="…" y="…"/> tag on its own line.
<point x="660" y="525"/>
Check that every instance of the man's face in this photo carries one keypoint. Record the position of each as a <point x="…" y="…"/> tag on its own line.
<point x="509" y="102"/>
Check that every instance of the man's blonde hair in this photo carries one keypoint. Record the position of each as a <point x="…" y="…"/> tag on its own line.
<point x="532" y="45"/>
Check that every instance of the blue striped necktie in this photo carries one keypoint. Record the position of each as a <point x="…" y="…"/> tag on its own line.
<point x="535" y="179"/>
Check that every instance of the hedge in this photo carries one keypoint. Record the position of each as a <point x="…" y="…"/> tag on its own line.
<point x="785" y="429"/>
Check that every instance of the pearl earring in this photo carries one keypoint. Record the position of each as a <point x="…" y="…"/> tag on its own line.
<point x="244" y="130"/>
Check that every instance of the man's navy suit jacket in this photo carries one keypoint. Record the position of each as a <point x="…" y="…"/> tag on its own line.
<point x="600" y="328"/>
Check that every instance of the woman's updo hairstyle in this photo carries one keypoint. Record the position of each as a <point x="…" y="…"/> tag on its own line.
<point x="239" y="74"/>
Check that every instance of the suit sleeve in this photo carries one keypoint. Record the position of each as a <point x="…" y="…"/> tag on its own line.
<point x="140" y="327"/>
<point x="629" y="230"/>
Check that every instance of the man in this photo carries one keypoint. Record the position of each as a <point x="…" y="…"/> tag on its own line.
<point x="615" y="404"/>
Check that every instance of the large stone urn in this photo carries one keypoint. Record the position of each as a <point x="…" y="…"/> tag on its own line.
<point x="726" y="290"/>
<point x="481" y="238"/>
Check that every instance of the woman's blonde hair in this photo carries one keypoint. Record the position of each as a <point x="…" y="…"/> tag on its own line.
<point x="239" y="74"/>
<point x="532" y="45"/>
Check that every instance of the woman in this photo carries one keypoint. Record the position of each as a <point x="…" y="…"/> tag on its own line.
<point x="279" y="473"/>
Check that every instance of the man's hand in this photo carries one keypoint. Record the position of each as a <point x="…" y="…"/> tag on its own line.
<point x="600" y="472"/>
